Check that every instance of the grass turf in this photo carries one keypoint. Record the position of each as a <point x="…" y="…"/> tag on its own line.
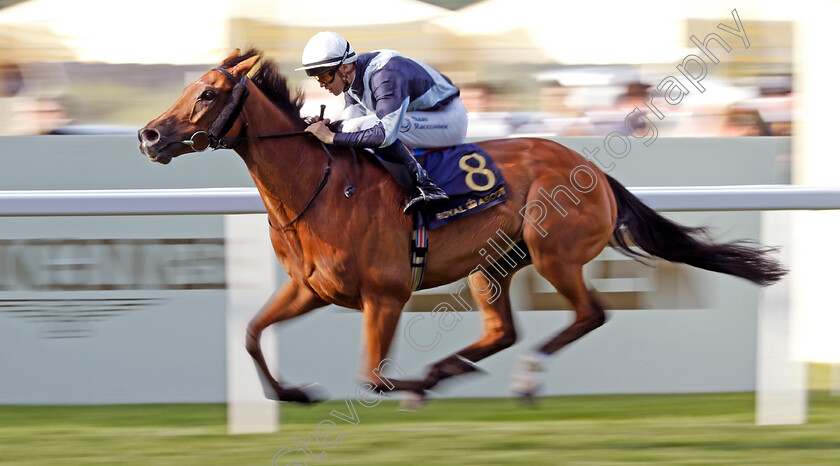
<point x="585" y="430"/>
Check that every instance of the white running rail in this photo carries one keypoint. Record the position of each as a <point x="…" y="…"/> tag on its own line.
<point x="247" y="200"/>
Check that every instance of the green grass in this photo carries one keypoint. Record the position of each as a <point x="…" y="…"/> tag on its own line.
<point x="637" y="429"/>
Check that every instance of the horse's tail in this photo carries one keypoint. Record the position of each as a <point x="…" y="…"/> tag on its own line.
<point x="660" y="237"/>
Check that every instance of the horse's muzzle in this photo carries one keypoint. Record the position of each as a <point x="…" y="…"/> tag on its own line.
<point x="148" y="136"/>
<point x="154" y="146"/>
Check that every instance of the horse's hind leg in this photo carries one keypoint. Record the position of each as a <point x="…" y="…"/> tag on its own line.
<point x="559" y="249"/>
<point x="589" y="315"/>
<point x="490" y="290"/>
<point x="290" y="301"/>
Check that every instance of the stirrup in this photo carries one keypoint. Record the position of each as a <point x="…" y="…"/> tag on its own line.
<point x="424" y="199"/>
<point x="432" y="193"/>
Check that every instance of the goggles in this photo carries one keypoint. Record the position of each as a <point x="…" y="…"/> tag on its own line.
<point x="327" y="77"/>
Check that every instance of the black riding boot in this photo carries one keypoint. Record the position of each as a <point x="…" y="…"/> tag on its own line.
<point x="426" y="189"/>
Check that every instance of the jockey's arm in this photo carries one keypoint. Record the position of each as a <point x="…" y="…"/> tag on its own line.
<point x="390" y="98"/>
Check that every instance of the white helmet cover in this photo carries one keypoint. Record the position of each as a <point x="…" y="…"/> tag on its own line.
<point x="326" y="49"/>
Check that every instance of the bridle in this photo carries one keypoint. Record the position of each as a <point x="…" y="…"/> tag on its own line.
<point x="214" y="138"/>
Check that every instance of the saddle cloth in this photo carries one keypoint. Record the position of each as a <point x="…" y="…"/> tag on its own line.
<point x="473" y="182"/>
<point x="468" y="175"/>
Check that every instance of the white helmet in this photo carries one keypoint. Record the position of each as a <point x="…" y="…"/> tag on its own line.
<point x="326" y="50"/>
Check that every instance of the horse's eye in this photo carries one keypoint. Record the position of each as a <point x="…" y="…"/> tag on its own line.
<point x="207" y="95"/>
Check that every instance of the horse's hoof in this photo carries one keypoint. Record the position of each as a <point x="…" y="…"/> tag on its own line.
<point x="527" y="399"/>
<point x="525" y="380"/>
<point x="413" y="401"/>
<point x="308" y="394"/>
<point x="397" y="385"/>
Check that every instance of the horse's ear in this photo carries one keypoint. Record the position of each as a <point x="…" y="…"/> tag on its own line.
<point x="232" y="55"/>
<point x="242" y="68"/>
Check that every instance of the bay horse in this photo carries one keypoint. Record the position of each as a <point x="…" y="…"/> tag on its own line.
<point x="352" y="248"/>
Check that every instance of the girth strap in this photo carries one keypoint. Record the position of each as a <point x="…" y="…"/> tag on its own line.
<point x="419" y="248"/>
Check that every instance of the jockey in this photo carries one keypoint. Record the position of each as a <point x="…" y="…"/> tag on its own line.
<point x="389" y="100"/>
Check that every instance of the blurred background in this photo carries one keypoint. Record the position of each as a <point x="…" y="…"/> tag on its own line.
<point x="524" y="66"/>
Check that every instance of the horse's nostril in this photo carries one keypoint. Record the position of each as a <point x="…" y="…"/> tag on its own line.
<point x="149" y="136"/>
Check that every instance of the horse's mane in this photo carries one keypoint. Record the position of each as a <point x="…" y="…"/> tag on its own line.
<point x="273" y="84"/>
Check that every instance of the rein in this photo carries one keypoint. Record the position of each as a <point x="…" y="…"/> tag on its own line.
<point x="201" y="140"/>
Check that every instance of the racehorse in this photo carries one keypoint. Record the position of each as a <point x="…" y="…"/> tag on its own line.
<point x="352" y="248"/>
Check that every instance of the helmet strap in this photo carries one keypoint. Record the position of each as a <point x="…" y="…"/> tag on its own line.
<point x="347" y="82"/>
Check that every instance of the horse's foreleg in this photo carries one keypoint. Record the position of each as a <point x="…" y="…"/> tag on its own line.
<point x="290" y="301"/>
<point x="380" y="318"/>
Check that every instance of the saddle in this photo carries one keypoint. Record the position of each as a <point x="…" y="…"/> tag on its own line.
<point x="468" y="175"/>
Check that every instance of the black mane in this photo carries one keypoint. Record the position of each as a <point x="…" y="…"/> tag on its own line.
<point x="273" y="84"/>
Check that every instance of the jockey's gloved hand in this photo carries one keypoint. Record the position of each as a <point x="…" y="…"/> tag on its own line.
<point x="332" y="125"/>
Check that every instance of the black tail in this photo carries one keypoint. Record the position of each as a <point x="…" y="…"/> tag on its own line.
<point x="660" y="237"/>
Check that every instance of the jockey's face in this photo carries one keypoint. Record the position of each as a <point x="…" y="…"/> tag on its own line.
<point x="337" y="83"/>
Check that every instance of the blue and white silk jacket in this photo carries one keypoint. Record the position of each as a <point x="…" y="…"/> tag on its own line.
<point x="389" y="85"/>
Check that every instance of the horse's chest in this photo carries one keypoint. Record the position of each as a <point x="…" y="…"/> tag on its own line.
<point x="333" y="288"/>
<point x="324" y="272"/>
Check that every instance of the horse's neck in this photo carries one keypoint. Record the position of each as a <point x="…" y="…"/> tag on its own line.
<point x="283" y="169"/>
